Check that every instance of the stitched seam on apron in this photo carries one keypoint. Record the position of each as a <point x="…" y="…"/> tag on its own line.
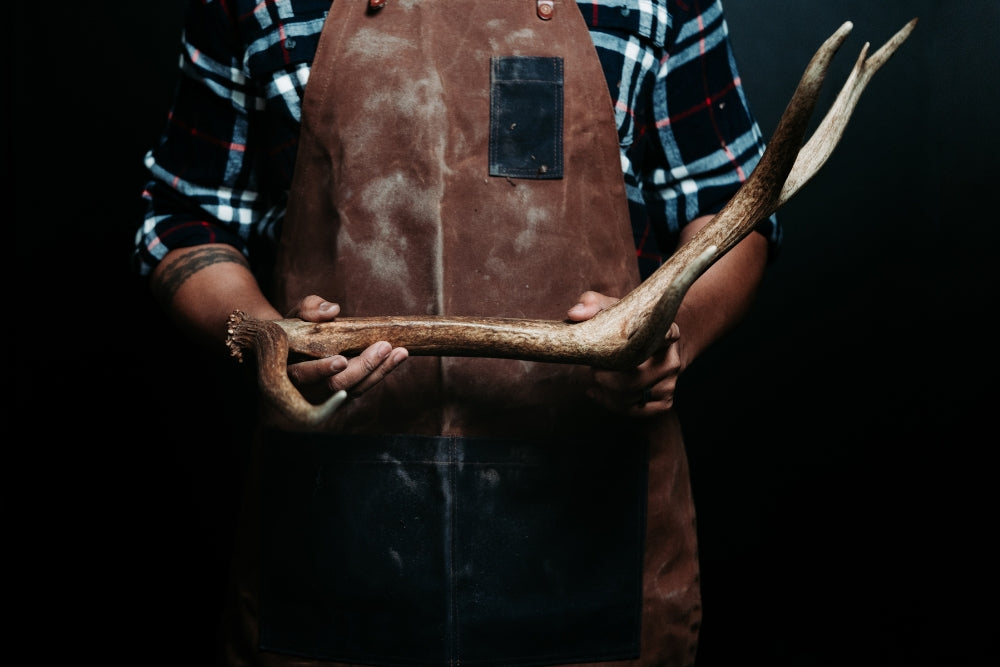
<point x="452" y="627"/>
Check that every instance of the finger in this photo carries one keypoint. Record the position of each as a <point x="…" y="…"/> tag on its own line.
<point x="396" y="357"/>
<point x="318" y="371"/>
<point x="645" y="396"/>
<point x="315" y="308"/>
<point x="650" y="401"/>
<point x="368" y="368"/>
<point x="673" y="334"/>
<point x="658" y="398"/>
<point x="617" y="401"/>
<point x="636" y="400"/>
<point x="625" y="383"/>
<point x="664" y="363"/>
<point x="589" y="305"/>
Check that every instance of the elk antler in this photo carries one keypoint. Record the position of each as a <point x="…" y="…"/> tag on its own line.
<point x="619" y="337"/>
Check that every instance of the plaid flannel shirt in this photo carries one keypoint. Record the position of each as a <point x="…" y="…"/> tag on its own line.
<point x="222" y="169"/>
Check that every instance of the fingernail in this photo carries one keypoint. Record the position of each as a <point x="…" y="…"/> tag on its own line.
<point x="326" y="306"/>
<point x="338" y="364"/>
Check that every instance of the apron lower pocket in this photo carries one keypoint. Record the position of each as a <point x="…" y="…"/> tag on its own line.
<point x="409" y="550"/>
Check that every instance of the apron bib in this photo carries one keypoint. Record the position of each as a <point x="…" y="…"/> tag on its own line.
<point x="460" y="158"/>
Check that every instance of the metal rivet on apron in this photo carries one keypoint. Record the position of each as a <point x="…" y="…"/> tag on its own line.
<point x="545" y="9"/>
<point x="289" y="43"/>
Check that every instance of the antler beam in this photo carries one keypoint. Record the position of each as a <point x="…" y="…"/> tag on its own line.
<point x="619" y="337"/>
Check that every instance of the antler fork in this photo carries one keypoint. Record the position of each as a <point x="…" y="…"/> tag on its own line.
<point x="619" y="337"/>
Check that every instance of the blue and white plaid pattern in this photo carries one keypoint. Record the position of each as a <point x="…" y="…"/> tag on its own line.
<point x="223" y="167"/>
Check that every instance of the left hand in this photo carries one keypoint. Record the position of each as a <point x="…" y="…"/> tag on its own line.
<point x="644" y="391"/>
<point x="318" y="379"/>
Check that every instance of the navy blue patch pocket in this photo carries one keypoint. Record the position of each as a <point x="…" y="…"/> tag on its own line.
<point x="526" y="117"/>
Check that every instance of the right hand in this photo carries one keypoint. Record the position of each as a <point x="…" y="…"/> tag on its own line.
<point x="644" y="391"/>
<point x="320" y="378"/>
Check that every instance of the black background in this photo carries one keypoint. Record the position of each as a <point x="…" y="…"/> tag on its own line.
<point x="842" y="438"/>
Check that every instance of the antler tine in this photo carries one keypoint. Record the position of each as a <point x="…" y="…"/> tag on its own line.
<point x="270" y="344"/>
<point x="651" y="307"/>
<point x="782" y="171"/>
<point x="830" y="130"/>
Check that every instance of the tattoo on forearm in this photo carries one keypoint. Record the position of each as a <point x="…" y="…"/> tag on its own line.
<point x="191" y="263"/>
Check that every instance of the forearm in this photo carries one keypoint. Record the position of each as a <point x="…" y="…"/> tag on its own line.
<point x="722" y="296"/>
<point x="199" y="287"/>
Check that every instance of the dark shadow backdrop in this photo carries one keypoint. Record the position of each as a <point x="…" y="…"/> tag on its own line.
<point x="841" y="438"/>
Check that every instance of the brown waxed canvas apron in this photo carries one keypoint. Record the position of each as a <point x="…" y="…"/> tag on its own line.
<point x="460" y="158"/>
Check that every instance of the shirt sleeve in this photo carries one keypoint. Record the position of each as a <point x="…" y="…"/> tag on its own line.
<point x="707" y="140"/>
<point x="202" y="185"/>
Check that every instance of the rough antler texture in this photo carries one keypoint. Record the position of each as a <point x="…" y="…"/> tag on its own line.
<point x="619" y="337"/>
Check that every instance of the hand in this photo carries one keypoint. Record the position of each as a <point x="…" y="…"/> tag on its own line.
<point x="649" y="388"/>
<point x="320" y="378"/>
